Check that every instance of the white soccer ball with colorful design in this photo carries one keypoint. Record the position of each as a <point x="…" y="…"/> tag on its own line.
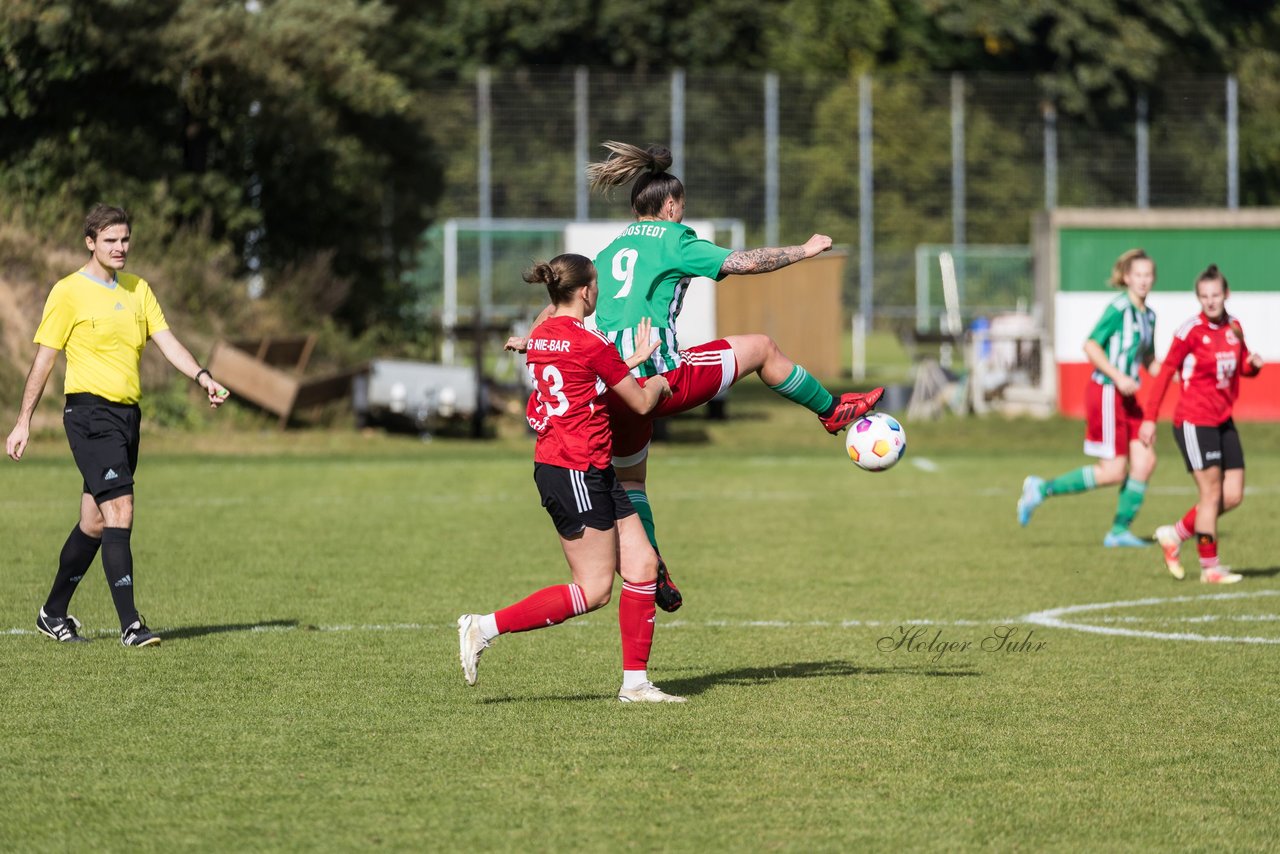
<point x="875" y="441"/>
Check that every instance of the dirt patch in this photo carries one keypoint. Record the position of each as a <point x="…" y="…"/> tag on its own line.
<point x="28" y="269"/>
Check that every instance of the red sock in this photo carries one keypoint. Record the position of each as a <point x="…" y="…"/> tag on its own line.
<point x="1208" y="548"/>
<point x="1186" y="525"/>
<point x="635" y="621"/>
<point x="550" y="606"/>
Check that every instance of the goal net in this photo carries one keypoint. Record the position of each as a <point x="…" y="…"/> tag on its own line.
<point x="989" y="280"/>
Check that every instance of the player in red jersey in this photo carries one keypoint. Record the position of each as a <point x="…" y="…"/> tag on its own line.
<point x="572" y="368"/>
<point x="1210" y="354"/>
<point x="646" y="271"/>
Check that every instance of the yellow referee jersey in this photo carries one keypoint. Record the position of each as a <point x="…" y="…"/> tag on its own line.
<point x="103" y="327"/>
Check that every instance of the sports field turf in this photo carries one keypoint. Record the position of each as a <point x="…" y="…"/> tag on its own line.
<point x="307" y="695"/>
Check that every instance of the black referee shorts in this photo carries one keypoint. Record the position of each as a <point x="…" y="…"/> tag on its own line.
<point x="580" y="499"/>
<point x="104" y="443"/>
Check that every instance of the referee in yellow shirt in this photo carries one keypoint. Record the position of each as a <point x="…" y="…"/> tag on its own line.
<point x="102" y="317"/>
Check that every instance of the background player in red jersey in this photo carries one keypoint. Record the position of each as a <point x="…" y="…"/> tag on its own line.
<point x="572" y="367"/>
<point x="1210" y="354"/>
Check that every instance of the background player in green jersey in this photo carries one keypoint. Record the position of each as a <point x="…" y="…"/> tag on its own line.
<point x="1122" y="342"/>
<point x="102" y="317"/>
<point x="644" y="273"/>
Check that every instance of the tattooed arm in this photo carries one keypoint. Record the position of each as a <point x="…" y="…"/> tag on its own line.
<point x="768" y="259"/>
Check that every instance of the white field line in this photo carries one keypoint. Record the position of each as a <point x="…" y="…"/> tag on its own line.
<point x="1053" y="618"/>
<point x="1085" y="618"/>
<point x="504" y="498"/>
<point x="1206" y="618"/>
<point x="577" y="623"/>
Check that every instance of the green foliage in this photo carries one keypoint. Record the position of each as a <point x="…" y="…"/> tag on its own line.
<point x="1258" y="63"/>
<point x="174" y="405"/>
<point x="648" y="35"/>
<point x="1094" y="55"/>
<point x="285" y="133"/>
<point x="195" y="277"/>
<point x="857" y="35"/>
<point x="306" y="134"/>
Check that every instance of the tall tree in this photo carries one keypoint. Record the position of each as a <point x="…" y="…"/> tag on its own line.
<point x="1097" y="53"/>
<point x="280" y="126"/>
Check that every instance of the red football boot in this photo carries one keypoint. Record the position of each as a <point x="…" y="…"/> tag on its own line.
<point x="851" y="407"/>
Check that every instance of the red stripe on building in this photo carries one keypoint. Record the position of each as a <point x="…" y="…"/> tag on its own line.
<point x="1259" y="396"/>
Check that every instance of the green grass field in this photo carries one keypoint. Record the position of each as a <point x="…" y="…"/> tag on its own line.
<point x="307" y="695"/>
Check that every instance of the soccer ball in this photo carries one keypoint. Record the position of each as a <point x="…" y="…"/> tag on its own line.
<point x="875" y="441"/>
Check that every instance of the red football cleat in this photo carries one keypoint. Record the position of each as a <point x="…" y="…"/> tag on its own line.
<point x="851" y="407"/>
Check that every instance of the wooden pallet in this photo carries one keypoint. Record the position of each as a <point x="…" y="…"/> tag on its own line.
<point x="269" y="373"/>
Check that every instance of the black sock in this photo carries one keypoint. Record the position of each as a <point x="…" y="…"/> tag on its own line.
<point x="77" y="555"/>
<point x="117" y="562"/>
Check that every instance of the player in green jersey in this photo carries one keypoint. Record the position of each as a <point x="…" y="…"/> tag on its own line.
<point x="1120" y="344"/>
<point x="644" y="274"/>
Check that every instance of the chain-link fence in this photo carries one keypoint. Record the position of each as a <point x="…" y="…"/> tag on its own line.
<point x="955" y="160"/>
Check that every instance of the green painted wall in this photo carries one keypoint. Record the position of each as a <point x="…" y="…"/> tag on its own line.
<point x="1248" y="257"/>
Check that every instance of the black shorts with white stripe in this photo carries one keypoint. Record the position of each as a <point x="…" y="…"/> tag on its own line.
<point x="579" y="499"/>
<point x="1206" y="447"/>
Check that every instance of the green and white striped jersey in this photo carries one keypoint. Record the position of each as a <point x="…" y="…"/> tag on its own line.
<point x="1127" y="335"/>
<point x="645" y="272"/>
